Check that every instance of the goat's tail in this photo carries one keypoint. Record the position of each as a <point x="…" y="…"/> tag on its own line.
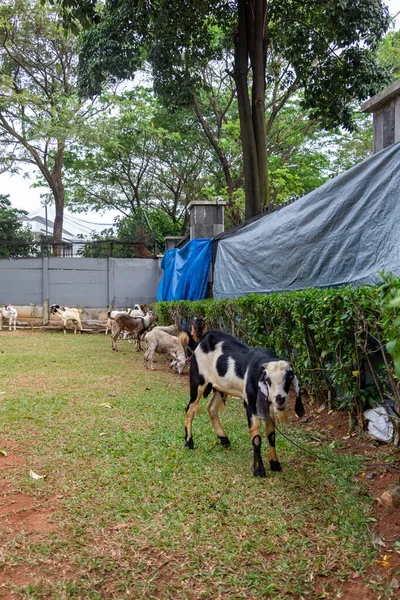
<point x="183" y="338"/>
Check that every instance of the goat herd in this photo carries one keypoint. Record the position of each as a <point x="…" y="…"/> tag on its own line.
<point x="220" y="365"/>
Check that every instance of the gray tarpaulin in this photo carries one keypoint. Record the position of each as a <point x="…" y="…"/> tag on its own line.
<point x="344" y="232"/>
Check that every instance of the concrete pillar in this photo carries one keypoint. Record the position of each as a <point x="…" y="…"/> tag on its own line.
<point x="385" y="108"/>
<point x="111" y="281"/>
<point x="206" y="221"/>
<point x="45" y="289"/>
<point x="206" y="218"/>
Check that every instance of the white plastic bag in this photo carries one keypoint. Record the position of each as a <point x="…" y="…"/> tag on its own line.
<point x="380" y="427"/>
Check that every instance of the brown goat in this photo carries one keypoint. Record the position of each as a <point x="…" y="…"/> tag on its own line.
<point x="135" y="325"/>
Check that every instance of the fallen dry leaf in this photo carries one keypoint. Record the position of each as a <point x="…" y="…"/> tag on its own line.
<point x="395" y="584"/>
<point x="377" y="540"/>
<point x="384" y="563"/>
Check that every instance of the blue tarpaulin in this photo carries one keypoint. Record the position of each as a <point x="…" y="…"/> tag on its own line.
<point x="186" y="271"/>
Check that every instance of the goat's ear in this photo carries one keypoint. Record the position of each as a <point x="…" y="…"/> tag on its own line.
<point x="298" y="408"/>
<point x="262" y="403"/>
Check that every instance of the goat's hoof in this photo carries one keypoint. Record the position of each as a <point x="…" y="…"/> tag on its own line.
<point x="259" y="471"/>
<point x="189" y="443"/>
<point x="275" y="465"/>
<point x="224" y="441"/>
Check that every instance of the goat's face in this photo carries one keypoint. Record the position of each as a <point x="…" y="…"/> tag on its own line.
<point x="198" y="329"/>
<point x="276" y="380"/>
<point x="152" y="316"/>
<point x="54" y="308"/>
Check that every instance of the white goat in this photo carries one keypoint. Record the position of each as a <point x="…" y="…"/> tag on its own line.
<point x="67" y="314"/>
<point x="139" y="310"/>
<point x="171" y="329"/>
<point x="8" y="312"/>
<point x="163" y="343"/>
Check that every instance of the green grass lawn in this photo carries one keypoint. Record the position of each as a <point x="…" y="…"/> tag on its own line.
<point x="137" y="514"/>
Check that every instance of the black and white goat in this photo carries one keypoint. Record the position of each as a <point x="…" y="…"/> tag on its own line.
<point x="67" y="314"/>
<point x="225" y="366"/>
<point x="10" y="313"/>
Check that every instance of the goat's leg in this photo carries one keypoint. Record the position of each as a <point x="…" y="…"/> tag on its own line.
<point x="65" y="327"/>
<point x="115" y="331"/>
<point x="15" y="323"/>
<point x="214" y="407"/>
<point x="274" y="463"/>
<point x="196" y="392"/>
<point x="191" y="409"/>
<point x="1" y="323"/>
<point x="138" y="346"/>
<point x="197" y="387"/>
<point x="254" y="430"/>
<point x="148" y="357"/>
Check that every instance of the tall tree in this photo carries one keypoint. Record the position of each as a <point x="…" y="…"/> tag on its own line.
<point x="140" y="156"/>
<point x="323" y="48"/>
<point x="39" y="108"/>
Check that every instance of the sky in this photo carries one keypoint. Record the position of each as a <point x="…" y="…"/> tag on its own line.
<point x="23" y="196"/>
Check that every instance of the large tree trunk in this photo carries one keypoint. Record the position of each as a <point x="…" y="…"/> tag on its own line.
<point x="251" y="43"/>
<point x="59" y="197"/>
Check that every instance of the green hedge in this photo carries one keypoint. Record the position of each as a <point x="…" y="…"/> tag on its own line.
<point x="335" y="338"/>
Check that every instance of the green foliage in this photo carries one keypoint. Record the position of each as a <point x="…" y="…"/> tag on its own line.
<point x="15" y="238"/>
<point x="324" y="49"/>
<point x="389" y="53"/>
<point x="140" y="156"/>
<point x="324" y="46"/>
<point x="40" y="112"/>
<point x="330" y="335"/>
<point x="133" y="238"/>
<point x="390" y="299"/>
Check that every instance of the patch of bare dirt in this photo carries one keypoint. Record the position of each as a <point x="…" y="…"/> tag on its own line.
<point x="379" y="477"/>
<point x="21" y="515"/>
